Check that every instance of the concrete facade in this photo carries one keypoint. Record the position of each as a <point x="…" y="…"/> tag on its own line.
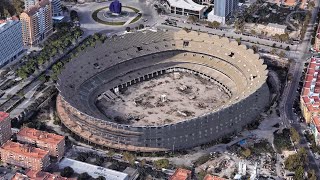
<point x="147" y="55"/>
<point x="11" y="44"/>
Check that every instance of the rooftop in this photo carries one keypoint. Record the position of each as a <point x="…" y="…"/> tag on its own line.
<point x="43" y="136"/>
<point x="92" y="170"/>
<point x="277" y="26"/>
<point x="186" y="4"/>
<point x="24" y="150"/>
<point x="209" y="177"/>
<point x="311" y="87"/>
<point x="43" y="175"/>
<point x="181" y="174"/>
<point x="32" y="10"/>
<point x="3" y="115"/>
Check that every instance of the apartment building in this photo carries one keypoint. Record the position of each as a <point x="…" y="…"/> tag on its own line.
<point x="36" y="23"/>
<point x="5" y="127"/>
<point x="24" y="156"/>
<point x="53" y="143"/>
<point x="11" y="45"/>
<point x="37" y="175"/>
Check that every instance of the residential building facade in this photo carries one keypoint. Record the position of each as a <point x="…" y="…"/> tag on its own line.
<point x="315" y="128"/>
<point x="11" y="44"/>
<point x="309" y="99"/>
<point x="36" y="23"/>
<point x="29" y="3"/>
<point x="5" y="127"/>
<point x="316" y="46"/>
<point x="53" y="143"/>
<point x="24" y="156"/>
<point x="56" y="8"/>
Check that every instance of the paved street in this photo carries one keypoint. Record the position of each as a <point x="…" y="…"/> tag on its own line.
<point x="290" y="93"/>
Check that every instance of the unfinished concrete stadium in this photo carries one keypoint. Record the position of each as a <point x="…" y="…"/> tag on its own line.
<point x="161" y="91"/>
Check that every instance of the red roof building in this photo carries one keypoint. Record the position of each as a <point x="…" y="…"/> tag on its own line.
<point x="210" y="177"/>
<point x="181" y="174"/>
<point x="309" y="99"/>
<point x="24" y="156"/>
<point x="53" y="143"/>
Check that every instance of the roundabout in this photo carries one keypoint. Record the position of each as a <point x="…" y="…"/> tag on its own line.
<point x="127" y="16"/>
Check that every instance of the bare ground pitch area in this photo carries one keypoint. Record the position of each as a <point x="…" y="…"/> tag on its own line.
<point x="170" y="98"/>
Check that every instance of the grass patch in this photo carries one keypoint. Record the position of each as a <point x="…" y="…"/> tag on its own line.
<point x="136" y="18"/>
<point x="95" y="17"/>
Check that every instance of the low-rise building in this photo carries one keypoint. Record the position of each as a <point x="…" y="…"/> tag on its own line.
<point x="309" y="98"/>
<point x="276" y="28"/>
<point x="186" y="8"/>
<point x="210" y="177"/>
<point x="94" y="171"/>
<point x="5" y="127"/>
<point x="24" y="156"/>
<point x="53" y="143"/>
<point x="37" y="175"/>
<point x="11" y="44"/>
<point x="181" y="174"/>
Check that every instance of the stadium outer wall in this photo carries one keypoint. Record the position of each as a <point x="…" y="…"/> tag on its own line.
<point x="170" y="137"/>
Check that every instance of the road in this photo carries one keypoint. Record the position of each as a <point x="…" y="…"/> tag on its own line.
<point x="290" y="119"/>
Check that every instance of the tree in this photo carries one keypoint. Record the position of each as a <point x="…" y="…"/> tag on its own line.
<point x="141" y="26"/>
<point x="67" y="172"/>
<point x="238" y="40"/>
<point x="299" y="173"/>
<point x="255" y="48"/>
<point x="246" y="153"/>
<point x="294" y="135"/>
<point x="294" y="161"/>
<point x="161" y="163"/>
<point x="193" y="19"/>
<point x="273" y="51"/>
<point x="100" y="178"/>
<point x="129" y="157"/>
<point x="84" y="176"/>
<point x="312" y="175"/>
<point x="214" y="24"/>
<point x="282" y="54"/>
<point x="287" y="48"/>
<point x="128" y="29"/>
<point x="311" y="5"/>
<point x="74" y="15"/>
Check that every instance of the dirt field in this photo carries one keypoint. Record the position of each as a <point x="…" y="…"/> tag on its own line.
<point x="167" y="99"/>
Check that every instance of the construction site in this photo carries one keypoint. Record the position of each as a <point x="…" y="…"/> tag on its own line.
<point x="169" y="98"/>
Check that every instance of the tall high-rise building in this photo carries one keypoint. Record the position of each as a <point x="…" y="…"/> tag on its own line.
<point x="222" y="10"/>
<point x="36" y="23"/>
<point x="10" y="40"/>
<point x="5" y="127"/>
<point x="29" y="3"/>
<point x="56" y="8"/>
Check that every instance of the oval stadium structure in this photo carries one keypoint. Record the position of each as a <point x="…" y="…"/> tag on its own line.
<point x="211" y="88"/>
